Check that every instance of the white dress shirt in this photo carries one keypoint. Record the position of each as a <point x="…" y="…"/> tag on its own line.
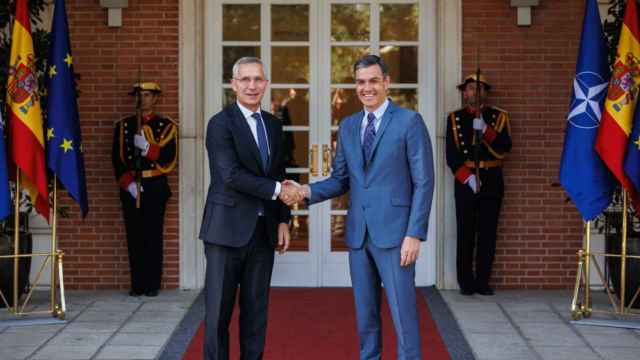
<point x="251" y="121"/>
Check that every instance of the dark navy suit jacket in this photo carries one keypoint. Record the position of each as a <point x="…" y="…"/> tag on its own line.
<point x="239" y="186"/>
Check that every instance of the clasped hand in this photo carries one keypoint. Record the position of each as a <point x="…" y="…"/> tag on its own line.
<point x="140" y="141"/>
<point x="479" y="125"/>
<point x="292" y="192"/>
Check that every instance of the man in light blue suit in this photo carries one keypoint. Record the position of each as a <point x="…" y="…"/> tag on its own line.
<point x="384" y="159"/>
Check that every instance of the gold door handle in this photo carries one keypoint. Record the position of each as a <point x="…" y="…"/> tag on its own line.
<point x="326" y="160"/>
<point x="314" y="160"/>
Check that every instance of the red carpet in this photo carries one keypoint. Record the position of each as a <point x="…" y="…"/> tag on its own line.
<point x="320" y="324"/>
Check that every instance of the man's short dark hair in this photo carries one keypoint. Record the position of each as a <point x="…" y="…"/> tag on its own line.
<point x="370" y="60"/>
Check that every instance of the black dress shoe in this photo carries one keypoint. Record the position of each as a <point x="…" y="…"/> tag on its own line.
<point x="485" y="291"/>
<point x="466" y="292"/>
<point x="134" y="293"/>
<point x="151" y="293"/>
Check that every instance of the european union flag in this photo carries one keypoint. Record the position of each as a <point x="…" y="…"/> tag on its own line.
<point x="582" y="173"/>
<point x="5" y="193"/>
<point x="64" y="155"/>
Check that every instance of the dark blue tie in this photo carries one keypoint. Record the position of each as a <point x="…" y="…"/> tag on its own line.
<point x="369" y="136"/>
<point x="262" y="141"/>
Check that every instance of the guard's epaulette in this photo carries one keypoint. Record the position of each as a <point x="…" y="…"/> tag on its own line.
<point x="169" y="118"/>
<point x="123" y="118"/>
<point x="499" y="109"/>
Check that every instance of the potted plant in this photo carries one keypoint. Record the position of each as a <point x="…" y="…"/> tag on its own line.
<point x="7" y="247"/>
<point x="611" y="224"/>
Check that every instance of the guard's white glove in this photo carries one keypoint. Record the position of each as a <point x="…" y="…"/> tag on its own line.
<point x="473" y="183"/>
<point x="141" y="143"/>
<point x="132" y="188"/>
<point x="479" y="124"/>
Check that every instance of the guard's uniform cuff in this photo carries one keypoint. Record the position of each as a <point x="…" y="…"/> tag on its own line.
<point x="462" y="174"/>
<point x="126" y="179"/>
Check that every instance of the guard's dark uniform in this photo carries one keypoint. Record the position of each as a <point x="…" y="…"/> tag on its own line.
<point x="145" y="225"/>
<point x="477" y="213"/>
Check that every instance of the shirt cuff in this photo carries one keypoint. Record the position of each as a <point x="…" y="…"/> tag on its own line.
<point x="276" y="192"/>
<point x="126" y="179"/>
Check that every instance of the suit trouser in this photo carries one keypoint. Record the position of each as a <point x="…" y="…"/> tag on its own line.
<point x="144" y="227"/>
<point x="249" y="267"/>
<point x="370" y="266"/>
<point x="477" y="225"/>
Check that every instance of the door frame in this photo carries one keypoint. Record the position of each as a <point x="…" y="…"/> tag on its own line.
<point x="199" y="99"/>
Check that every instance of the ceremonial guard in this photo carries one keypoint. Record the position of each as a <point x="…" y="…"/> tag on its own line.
<point x="478" y="136"/>
<point x="145" y="149"/>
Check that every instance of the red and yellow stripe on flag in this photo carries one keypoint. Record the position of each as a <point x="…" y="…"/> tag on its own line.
<point x="622" y="96"/>
<point x="25" y="116"/>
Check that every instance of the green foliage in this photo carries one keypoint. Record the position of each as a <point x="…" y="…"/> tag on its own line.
<point x="612" y="26"/>
<point x="40" y="42"/>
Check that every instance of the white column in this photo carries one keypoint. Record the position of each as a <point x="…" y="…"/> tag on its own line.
<point x="191" y="144"/>
<point x="450" y="68"/>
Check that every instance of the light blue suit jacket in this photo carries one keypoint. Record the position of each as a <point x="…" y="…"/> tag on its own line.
<point x="391" y="192"/>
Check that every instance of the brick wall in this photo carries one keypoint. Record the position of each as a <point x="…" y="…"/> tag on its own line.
<point x="531" y="70"/>
<point x="108" y="59"/>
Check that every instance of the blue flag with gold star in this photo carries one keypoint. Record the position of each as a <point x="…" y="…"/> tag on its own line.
<point x="582" y="173"/>
<point x="5" y="193"/>
<point x="64" y="146"/>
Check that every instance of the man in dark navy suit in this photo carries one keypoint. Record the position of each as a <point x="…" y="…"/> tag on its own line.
<point x="243" y="221"/>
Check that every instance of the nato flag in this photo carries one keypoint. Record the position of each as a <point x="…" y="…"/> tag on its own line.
<point x="583" y="175"/>
<point x="64" y="146"/>
<point x="5" y="193"/>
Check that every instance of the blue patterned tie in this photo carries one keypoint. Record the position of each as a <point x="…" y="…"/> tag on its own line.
<point x="369" y="136"/>
<point x="262" y="141"/>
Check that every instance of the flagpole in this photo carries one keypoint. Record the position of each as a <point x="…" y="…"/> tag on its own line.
<point x="623" y="256"/>
<point x="54" y="222"/>
<point x="587" y="270"/>
<point x="16" y="241"/>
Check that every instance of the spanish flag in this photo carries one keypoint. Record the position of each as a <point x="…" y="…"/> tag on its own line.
<point x="620" y="105"/>
<point x="25" y="116"/>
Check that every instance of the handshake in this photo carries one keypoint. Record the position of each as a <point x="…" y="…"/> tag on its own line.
<point x="293" y="193"/>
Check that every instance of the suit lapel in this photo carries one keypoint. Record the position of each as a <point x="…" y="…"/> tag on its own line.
<point x="386" y="118"/>
<point x="246" y="134"/>
<point x="357" y="141"/>
<point x="270" y="128"/>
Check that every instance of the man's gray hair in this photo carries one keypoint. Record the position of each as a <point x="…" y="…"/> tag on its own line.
<point x="245" y="60"/>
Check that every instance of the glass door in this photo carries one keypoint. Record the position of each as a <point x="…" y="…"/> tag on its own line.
<point x="279" y="32"/>
<point x="351" y="29"/>
<point x="308" y="48"/>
